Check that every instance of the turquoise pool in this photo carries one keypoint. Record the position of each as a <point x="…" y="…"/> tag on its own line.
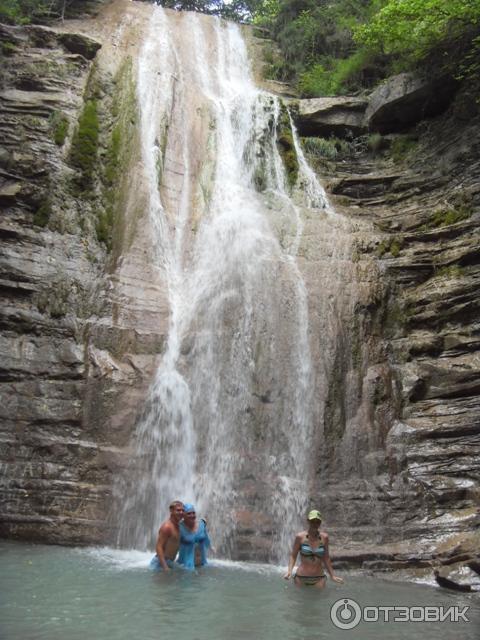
<point x="58" y="593"/>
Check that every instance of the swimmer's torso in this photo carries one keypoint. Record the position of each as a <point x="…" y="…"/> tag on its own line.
<point x="312" y="552"/>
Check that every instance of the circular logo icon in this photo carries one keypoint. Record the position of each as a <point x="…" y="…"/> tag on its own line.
<point x="345" y="613"/>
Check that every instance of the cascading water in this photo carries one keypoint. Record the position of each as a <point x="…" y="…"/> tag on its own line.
<point x="228" y="423"/>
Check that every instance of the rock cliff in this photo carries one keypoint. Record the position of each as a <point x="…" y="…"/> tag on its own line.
<point x="414" y="487"/>
<point x="80" y="326"/>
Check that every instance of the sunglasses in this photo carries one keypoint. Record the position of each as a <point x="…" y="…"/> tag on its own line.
<point x="190" y="513"/>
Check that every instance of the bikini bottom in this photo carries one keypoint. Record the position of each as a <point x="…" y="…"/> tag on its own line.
<point x="309" y="581"/>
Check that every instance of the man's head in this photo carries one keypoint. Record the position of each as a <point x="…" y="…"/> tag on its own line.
<point x="176" y="510"/>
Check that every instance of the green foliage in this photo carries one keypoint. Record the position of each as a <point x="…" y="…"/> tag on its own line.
<point x="43" y="11"/>
<point x="446" y="217"/>
<point x="315" y="81"/>
<point x="339" y="47"/>
<point x="326" y="148"/>
<point x="286" y="147"/>
<point x="274" y="68"/>
<point x="393" y="246"/>
<point x="113" y="154"/>
<point x="413" y="28"/>
<point x="59" y="127"/>
<point x="401" y="147"/>
<point x="450" y="271"/>
<point x="26" y="11"/>
<point x="42" y="215"/>
<point x="240" y="10"/>
<point x="375" y="142"/>
<point x="85" y="143"/>
<point x="266" y="11"/>
<point x="335" y="76"/>
<point x="315" y="38"/>
<point x="104" y="226"/>
<point x="7" y="48"/>
<point x="123" y="111"/>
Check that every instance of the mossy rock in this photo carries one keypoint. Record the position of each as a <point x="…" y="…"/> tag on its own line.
<point x="84" y="149"/>
<point x="451" y="271"/>
<point x="393" y="246"/>
<point x="42" y="215"/>
<point x="123" y="111"/>
<point x="286" y="147"/>
<point x="59" y="125"/>
<point x="448" y="216"/>
<point x="7" y="48"/>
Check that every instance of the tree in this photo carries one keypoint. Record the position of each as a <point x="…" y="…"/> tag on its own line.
<point x="413" y="28"/>
<point x="230" y="9"/>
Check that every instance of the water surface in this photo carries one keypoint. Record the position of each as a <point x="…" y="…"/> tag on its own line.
<point x="53" y="593"/>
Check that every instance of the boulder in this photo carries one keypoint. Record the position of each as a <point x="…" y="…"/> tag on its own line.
<point x="80" y="44"/>
<point x="405" y="99"/>
<point x="325" y="117"/>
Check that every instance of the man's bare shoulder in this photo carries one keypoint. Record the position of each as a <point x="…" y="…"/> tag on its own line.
<point x="167" y="527"/>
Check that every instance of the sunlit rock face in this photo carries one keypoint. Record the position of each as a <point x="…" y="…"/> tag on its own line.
<point x="331" y="116"/>
<point x="244" y="343"/>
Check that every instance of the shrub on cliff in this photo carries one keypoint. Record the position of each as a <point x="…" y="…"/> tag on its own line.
<point x="83" y="153"/>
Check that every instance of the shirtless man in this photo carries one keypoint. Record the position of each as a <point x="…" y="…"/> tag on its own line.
<point x="168" y="538"/>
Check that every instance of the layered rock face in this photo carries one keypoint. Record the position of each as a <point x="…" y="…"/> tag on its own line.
<point x="409" y="445"/>
<point x="81" y="327"/>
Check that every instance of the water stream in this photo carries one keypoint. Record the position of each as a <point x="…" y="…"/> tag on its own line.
<point x="228" y="422"/>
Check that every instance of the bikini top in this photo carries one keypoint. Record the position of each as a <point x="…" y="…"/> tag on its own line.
<point x="307" y="551"/>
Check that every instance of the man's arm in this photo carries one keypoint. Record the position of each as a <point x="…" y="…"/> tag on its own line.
<point x="164" y="534"/>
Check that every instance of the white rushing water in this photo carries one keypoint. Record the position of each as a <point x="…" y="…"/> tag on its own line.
<point x="228" y="420"/>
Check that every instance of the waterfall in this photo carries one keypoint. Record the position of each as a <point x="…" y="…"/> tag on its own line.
<point x="228" y="422"/>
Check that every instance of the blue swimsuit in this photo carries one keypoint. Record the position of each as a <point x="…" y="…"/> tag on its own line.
<point x="307" y="551"/>
<point x="190" y="541"/>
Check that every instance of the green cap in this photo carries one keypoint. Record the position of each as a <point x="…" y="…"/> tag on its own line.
<point x="314" y="515"/>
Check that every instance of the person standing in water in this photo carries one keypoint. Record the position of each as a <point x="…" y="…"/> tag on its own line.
<point x="312" y="545"/>
<point x="168" y="539"/>
<point x="194" y="539"/>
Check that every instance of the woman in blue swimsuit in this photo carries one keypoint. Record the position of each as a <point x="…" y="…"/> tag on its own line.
<point x="312" y="546"/>
<point x="194" y="539"/>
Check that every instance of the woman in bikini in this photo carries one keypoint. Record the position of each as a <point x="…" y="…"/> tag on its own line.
<point x="312" y="545"/>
